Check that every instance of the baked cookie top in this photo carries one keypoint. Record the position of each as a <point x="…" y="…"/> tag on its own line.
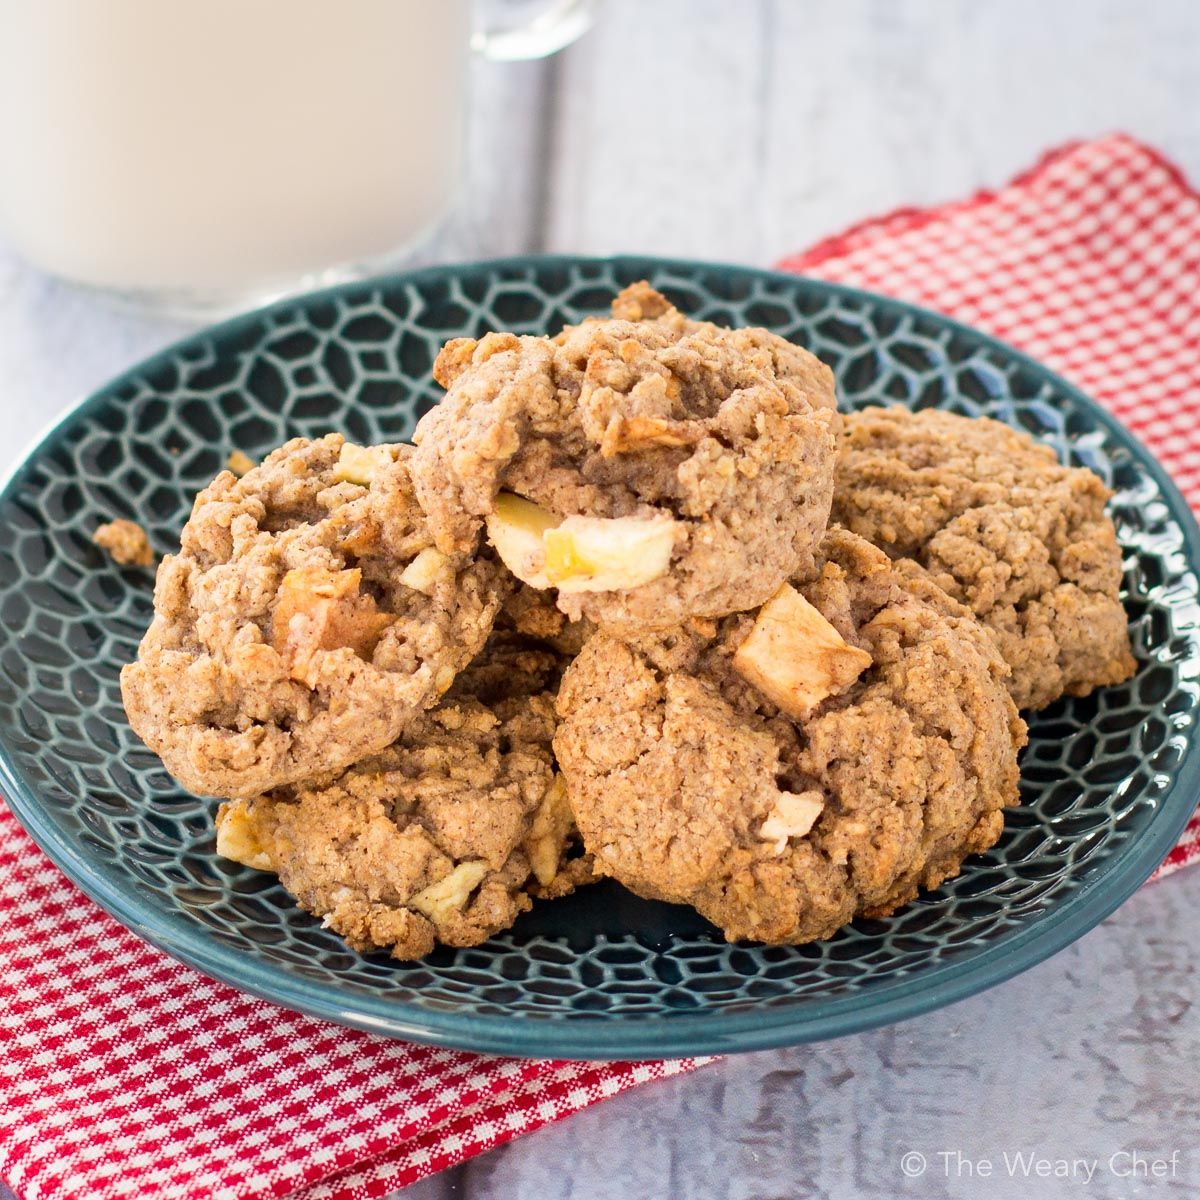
<point x="1002" y="526"/>
<point x="306" y="617"/>
<point x="445" y="835"/>
<point x="646" y="466"/>
<point x="787" y="770"/>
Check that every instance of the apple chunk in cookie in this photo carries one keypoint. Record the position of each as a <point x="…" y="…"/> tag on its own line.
<point x="516" y="528"/>
<point x="785" y="775"/>
<point x="579" y="554"/>
<point x="795" y="657"/>
<point x="321" y="610"/>
<point x="609" y="554"/>
<point x="646" y="468"/>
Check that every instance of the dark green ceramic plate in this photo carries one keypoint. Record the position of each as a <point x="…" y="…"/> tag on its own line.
<point x="1108" y="782"/>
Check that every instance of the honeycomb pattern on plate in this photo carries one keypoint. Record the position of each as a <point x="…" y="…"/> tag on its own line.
<point x="1097" y="774"/>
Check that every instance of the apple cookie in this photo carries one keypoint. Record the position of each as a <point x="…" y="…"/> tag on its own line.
<point x="1002" y="526"/>
<point x="787" y="770"/>
<point x="446" y="835"/>
<point x="646" y="467"/>
<point x="305" y="619"/>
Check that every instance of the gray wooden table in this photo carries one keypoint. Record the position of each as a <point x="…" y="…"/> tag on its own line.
<point x="742" y="130"/>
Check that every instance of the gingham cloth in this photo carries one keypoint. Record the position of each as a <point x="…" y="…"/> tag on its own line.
<point x="124" y="1074"/>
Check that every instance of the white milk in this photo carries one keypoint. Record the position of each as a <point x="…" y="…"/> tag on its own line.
<point x="225" y="144"/>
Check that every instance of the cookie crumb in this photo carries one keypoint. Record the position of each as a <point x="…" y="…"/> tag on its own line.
<point x="126" y="543"/>
<point x="239" y="463"/>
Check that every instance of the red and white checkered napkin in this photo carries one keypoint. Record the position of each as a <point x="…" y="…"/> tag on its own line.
<point x="124" y="1074"/>
<point x="1090" y="262"/>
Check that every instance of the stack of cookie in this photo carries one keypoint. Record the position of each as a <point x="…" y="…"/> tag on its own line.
<point x="638" y="603"/>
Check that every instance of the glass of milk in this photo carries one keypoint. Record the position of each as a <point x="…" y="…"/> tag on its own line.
<point x="199" y="155"/>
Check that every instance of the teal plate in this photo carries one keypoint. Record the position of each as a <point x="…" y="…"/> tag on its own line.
<point x="1107" y="782"/>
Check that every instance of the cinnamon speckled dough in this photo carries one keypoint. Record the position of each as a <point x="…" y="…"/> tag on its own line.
<point x="284" y="644"/>
<point x="730" y="432"/>
<point x="443" y="837"/>
<point x="1003" y="527"/>
<point x="533" y="614"/>
<point x="676" y="767"/>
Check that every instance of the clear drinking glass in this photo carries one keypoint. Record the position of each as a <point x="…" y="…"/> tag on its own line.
<point x="196" y="156"/>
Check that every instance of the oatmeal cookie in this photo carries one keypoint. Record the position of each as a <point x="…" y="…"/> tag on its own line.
<point x="305" y="619"/>
<point x="646" y="466"/>
<point x="443" y="837"/>
<point x="1001" y="526"/>
<point x="786" y="771"/>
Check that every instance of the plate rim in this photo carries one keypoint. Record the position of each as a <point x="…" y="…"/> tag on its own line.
<point x="586" y="1036"/>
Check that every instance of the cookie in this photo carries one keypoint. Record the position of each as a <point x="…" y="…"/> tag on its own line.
<point x="788" y="770"/>
<point x="647" y="467"/>
<point x="1002" y="526"/>
<point x="306" y="617"/>
<point x="446" y="835"/>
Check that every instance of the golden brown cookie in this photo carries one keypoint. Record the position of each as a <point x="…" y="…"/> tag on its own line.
<point x="305" y="619"/>
<point x="1001" y="526"/>
<point x="443" y="837"/>
<point x="645" y="467"/>
<point x="787" y="770"/>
